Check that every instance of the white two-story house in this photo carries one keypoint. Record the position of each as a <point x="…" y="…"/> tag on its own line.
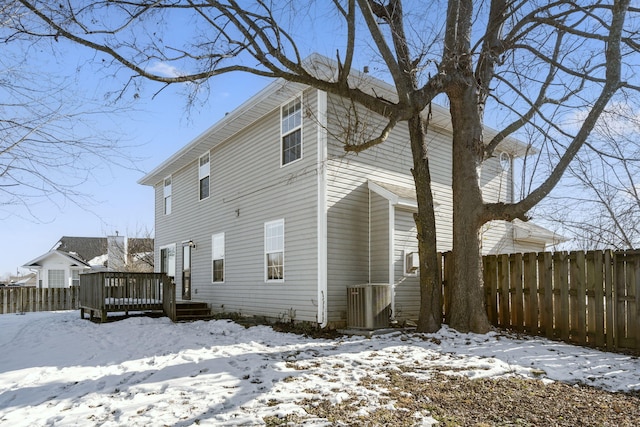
<point x="265" y="214"/>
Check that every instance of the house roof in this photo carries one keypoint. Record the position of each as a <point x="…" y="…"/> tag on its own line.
<point x="398" y="195"/>
<point x="72" y="259"/>
<point x="275" y="94"/>
<point x="86" y="248"/>
<point x="268" y="99"/>
<point x="533" y="233"/>
<point x="89" y="248"/>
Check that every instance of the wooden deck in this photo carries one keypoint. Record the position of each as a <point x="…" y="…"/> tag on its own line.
<point x="106" y="292"/>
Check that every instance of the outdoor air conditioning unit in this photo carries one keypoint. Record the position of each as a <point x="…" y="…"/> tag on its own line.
<point x="368" y="306"/>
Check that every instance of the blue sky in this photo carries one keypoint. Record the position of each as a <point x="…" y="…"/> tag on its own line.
<point x="153" y="129"/>
<point x="158" y="127"/>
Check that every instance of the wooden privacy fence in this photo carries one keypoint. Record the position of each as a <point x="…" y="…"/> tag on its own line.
<point x="587" y="298"/>
<point x="23" y="299"/>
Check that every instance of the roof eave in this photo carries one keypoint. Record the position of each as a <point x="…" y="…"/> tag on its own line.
<point x="202" y="143"/>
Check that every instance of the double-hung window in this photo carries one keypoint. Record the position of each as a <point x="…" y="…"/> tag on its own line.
<point x="168" y="260"/>
<point x="75" y="277"/>
<point x="217" y="258"/>
<point x="291" y="131"/>
<point x="167" y="195"/>
<point x="203" y="175"/>
<point x="274" y="250"/>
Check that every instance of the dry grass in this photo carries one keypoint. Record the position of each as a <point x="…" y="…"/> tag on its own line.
<point x="455" y="400"/>
<point x="459" y="401"/>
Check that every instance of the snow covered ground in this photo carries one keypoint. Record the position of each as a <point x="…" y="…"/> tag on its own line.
<point x="56" y="369"/>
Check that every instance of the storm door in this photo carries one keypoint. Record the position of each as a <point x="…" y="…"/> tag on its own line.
<point x="186" y="272"/>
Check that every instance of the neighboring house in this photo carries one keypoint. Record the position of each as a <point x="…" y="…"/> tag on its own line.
<point x="27" y="280"/>
<point x="264" y="213"/>
<point x="70" y="256"/>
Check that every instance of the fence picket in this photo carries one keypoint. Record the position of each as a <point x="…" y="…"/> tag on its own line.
<point x="590" y="298"/>
<point x="620" y="299"/>
<point x="491" y="280"/>
<point x="19" y="299"/>
<point x="636" y="315"/>
<point x="630" y="300"/>
<point x="561" y="293"/>
<point x="531" y="293"/>
<point x="545" y="268"/>
<point x="516" y="297"/>
<point x="579" y="308"/>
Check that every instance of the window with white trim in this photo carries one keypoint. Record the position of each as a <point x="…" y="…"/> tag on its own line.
<point x="217" y="258"/>
<point x="56" y="278"/>
<point x="75" y="277"/>
<point x="203" y="175"/>
<point x="168" y="260"/>
<point x="291" y="131"/>
<point x="274" y="250"/>
<point x="167" y="195"/>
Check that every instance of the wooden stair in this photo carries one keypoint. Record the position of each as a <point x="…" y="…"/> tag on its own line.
<point x="192" y="310"/>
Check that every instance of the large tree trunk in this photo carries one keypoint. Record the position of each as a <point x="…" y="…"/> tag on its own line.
<point x="467" y="308"/>
<point x="430" y="319"/>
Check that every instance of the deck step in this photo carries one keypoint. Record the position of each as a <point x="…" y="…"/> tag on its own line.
<point x="189" y="311"/>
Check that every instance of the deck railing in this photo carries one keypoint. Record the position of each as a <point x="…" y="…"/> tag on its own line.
<point x="111" y="291"/>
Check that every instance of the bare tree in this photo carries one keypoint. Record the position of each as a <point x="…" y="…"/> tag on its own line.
<point x="598" y="205"/>
<point x="525" y="66"/>
<point x="49" y="144"/>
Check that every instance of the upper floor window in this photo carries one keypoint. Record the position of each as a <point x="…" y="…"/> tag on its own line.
<point x="167" y="195"/>
<point x="217" y="257"/>
<point x="274" y="250"/>
<point x="291" y="131"/>
<point x="203" y="175"/>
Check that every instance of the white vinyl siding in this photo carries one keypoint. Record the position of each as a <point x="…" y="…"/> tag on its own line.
<point x="55" y="278"/>
<point x="274" y="250"/>
<point x="167" y="195"/>
<point x="203" y="176"/>
<point x="291" y="131"/>
<point x="407" y="286"/>
<point x="251" y="188"/>
<point x="349" y="239"/>
<point x="254" y="185"/>
<point x="217" y="258"/>
<point x="379" y="239"/>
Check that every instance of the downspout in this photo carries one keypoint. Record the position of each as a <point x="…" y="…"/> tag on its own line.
<point x="322" y="207"/>
<point x="369" y="239"/>
<point x="392" y="275"/>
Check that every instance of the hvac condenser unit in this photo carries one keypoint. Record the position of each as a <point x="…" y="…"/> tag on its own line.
<point x="368" y="306"/>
